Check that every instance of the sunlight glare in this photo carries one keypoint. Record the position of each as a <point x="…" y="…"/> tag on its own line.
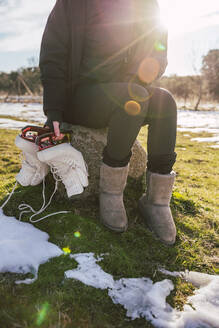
<point x="66" y="250"/>
<point x="148" y="70"/>
<point x="185" y="16"/>
<point x="77" y="234"/>
<point x="42" y="314"/>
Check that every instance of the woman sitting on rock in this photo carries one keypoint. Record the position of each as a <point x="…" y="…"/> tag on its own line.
<point x="98" y="59"/>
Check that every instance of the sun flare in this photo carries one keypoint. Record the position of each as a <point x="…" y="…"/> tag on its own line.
<point x="184" y="16"/>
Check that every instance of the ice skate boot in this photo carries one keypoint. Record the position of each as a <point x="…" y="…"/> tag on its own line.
<point x="32" y="171"/>
<point x="67" y="165"/>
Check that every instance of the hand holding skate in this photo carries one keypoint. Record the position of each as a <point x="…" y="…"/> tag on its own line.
<point x="42" y="150"/>
<point x="56" y="129"/>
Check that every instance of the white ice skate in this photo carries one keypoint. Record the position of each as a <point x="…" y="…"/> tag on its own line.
<point x="32" y="171"/>
<point x="68" y="164"/>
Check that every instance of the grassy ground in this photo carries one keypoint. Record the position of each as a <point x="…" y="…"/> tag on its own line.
<point x="54" y="302"/>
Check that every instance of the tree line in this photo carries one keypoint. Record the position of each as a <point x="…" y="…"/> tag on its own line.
<point x="203" y="86"/>
<point x="21" y="82"/>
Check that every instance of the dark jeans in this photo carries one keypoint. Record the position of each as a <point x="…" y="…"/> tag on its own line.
<point x="125" y="108"/>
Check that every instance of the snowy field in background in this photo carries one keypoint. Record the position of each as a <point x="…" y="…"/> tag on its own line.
<point x="188" y="121"/>
<point x="139" y="296"/>
<point x="201" y="121"/>
<point x="32" y="112"/>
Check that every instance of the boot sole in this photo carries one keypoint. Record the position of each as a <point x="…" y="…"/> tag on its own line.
<point x="140" y="211"/>
<point x="113" y="228"/>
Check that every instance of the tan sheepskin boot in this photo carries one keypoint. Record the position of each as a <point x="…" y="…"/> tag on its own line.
<point x="112" y="184"/>
<point x="154" y="206"/>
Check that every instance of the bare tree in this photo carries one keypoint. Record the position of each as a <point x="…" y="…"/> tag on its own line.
<point x="197" y="78"/>
<point x="210" y="69"/>
<point x="32" y="61"/>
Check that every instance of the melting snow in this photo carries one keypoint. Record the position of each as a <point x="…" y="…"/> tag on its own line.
<point x="143" y="298"/>
<point x="6" y="123"/>
<point x="201" y="121"/>
<point x="209" y="139"/>
<point x="33" y="112"/>
<point x="23" y="247"/>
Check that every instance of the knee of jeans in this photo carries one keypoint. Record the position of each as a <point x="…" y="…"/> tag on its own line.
<point x="140" y="96"/>
<point x="168" y="103"/>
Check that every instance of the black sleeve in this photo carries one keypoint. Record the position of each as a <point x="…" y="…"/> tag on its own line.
<point x="54" y="64"/>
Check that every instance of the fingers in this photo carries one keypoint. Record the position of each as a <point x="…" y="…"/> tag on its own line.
<point x="58" y="134"/>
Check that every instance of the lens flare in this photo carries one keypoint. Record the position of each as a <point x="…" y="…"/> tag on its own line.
<point x="77" y="234"/>
<point x="158" y="46"/>
<point x="42" y="314"/>
<point x="132" y="108"/>
<point x="148" y="70"/>
<point x="133" y="88"/>
<point x="66" y="250"/>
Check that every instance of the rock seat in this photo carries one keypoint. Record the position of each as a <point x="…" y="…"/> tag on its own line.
<point x="91" y="142"/>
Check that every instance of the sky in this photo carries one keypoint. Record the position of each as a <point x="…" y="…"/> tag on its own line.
<point x="193" y="29"/>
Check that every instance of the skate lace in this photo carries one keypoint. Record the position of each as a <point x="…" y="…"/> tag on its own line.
<point x="9" y="197"/>
<point x="59" y="171"/>
<point x="26" y="208"/>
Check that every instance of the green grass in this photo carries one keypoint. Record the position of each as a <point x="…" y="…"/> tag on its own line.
<point x="54" y="302"/>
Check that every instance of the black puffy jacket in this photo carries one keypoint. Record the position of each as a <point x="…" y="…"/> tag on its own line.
<point x="99" y="41"/>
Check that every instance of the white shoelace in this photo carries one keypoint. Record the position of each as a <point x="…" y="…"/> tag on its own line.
<point x="26" y="208"/>
<point x="57" y="173"/>
<point x="9" y="197"/>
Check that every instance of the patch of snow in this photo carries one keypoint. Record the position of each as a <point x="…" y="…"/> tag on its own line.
<point x="89" y="272"/>
<point x="6" y="123"/>
<point x="23" y="247"/>
<point x="33" y="112"/>
<point x="201" y="121"/>
<point x="198" y="130"/>
<point x="209" y="139"/>
<point x="214" y="146"/>
<point x="209" y="106"/>
<point x="144" y="299"/>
